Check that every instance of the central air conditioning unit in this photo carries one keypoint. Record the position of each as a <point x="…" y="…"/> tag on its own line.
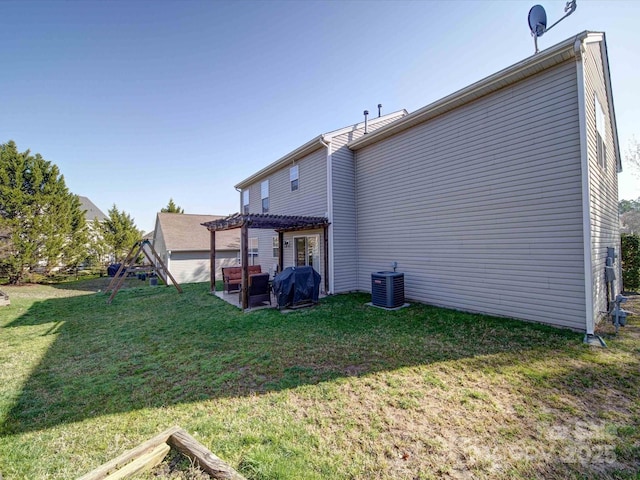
<point x="387" y="289"/>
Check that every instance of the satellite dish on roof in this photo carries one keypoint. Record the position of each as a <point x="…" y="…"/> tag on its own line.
<point x="538" y="20"/>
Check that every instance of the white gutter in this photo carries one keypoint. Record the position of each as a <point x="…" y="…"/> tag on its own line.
<point x="307" y="148"/>
<point x="536" y="63"/>
<point x="312" y="145"/>
<point x="612" y="111"/>
<point x="586" y="193"/>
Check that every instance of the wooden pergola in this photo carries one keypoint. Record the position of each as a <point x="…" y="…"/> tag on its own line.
<point x="279" y="223"/>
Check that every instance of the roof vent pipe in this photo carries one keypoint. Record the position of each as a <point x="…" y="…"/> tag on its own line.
<point x="366" y="113"/>
<point x="379" y="110"/>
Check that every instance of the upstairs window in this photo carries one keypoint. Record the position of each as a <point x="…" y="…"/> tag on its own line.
<point x="601" y="135"/>
<point x="293" y="177"/>
<point x="264" y="194"/>
<point x="245" y="202"/>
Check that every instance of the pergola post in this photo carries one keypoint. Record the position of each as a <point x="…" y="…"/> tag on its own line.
<point x="278" y="223"/>
<point x="280" y="251"/>
<point x="212" y="261"/>
<point x="244" y="247"/>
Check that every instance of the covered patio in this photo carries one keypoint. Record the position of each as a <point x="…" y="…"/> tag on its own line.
<point x="277" y="223"/>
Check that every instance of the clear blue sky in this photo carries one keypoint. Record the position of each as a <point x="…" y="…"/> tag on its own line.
<point x="140" y="101"/>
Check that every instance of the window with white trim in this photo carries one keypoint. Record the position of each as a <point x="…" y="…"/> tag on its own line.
<point x="253" y="247"/>
<point x="264" y="194"/>
<point x="601" y="135"/>
<point x="294" y="178"/>
<point x="245" y="202"/>
<point x="276" y="246"/>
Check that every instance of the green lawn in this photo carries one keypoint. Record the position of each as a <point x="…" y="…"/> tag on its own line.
<point x="338" y="391"/>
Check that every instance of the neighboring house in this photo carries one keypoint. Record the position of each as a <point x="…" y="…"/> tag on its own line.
<point x="500" y="198"/>
<point x="184" y="246"/>
<point x="149" y="254"/>
<point x="96" y="246"/>
<point x="91" y="211"/>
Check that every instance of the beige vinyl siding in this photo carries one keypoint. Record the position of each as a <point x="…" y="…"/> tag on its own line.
<point x="603" y="201"/>
<point x="289" y="261"/>
<point x="481" y="207"/>
<point x="344" y="216"/>
<point x="192" y="267"/>
<point x="265" y="258"/>
<point x="310" y="199"/>
<point x="160" y="246"/>
<point x="344" y="211"/>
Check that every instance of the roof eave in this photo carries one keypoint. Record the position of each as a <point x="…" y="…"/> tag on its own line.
<point x="612" y="110"/>
<point x="311" y="146"/>
<point x="399" y="113"/>
<point x="533" y="64"/>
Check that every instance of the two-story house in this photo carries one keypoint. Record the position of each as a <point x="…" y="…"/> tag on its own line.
<point x="500" y="198"/>
<point x="315" y="180"/>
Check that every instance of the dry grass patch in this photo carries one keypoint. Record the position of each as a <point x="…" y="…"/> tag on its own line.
<point x="337" y="391"/>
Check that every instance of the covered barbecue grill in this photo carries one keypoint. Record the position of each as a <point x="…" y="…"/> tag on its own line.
<point x="296" y="287"/>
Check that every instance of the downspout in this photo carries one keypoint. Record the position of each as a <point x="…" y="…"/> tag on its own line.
<point x="355" y="212"/>
<point x="239" y="190"/>
<point x="586" y="194"/>
<point x="329" y="230"/>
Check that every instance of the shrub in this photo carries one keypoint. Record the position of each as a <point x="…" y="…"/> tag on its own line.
<point x="630" y="257"/>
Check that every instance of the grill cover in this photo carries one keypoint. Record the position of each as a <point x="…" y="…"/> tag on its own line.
<point x="295" y="286"/>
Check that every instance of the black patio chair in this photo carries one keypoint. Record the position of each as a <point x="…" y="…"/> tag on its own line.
<point x="259" y="289"/>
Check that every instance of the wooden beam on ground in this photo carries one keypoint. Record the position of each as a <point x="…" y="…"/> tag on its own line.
<point x="143" y="463"/>
<point x="207" y="461"/>
<point x="150" y="453"/>
<point x="117" y="463"/>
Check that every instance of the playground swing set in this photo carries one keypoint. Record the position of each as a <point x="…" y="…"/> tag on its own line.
<point x="130" y="265"/>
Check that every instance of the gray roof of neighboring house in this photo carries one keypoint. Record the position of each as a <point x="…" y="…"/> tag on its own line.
<point x="91" y="210"/>
<point x="184" y="232"/>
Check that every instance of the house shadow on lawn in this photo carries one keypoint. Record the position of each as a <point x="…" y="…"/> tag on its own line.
<point x="153" y="348"/>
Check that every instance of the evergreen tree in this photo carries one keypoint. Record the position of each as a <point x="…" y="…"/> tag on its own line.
<point x="41" y="220"/>
<point x="77" y="250"/>
<point x="625" y="206"/>
<point x="98" y="254"/>
<point x="120" y="233"/>
<point x="172" y="208"/>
